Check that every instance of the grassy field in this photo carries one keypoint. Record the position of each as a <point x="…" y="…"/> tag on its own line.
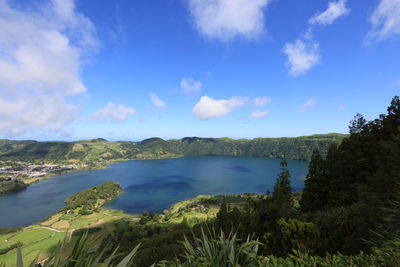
<point x="44" y="236"/>
<point x="34" y="241"/>
<point x="201" y="208"/>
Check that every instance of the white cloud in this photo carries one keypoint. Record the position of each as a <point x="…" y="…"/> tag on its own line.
<point x="261" y="101"/>
<point x="308" y="104"/>
<point x="385" y="20"/>
<point x="41" y="55"/>
<point x="226" y="19"/>
<point x="189" y="85"/>
<point x="334" y="11"/>
<point x="113" y="113"/>
<point x="259" y="113"/>
<point x="396" y="84"/>
<point x="208" y="108"/>
<point x="302" y="55"/>
<point x="341" y="107"/>
<point x="157" y="102"/>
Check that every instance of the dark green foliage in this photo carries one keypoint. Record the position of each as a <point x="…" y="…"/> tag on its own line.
<point x="11" y="186"/>
<point x="294" y="234"/>
<point x="88" y="200"/>
<point x="390" y="225"/>
<point x="271" y="219"/>
<point x="349" y="196"/>
<point x="313" y="195"/>
<point x="282" y="190"/>
<point x="343" y="228"/>
<point x="208" y="249"/>
<point x="222" y="221"/>
<point x="293" y="148"/>
<point x="220" y="250"/>
<point x="346" y="193"/>
<point x="158" y="242"/>
<point x="32" y="150"/>
<point x="89" y="231"/>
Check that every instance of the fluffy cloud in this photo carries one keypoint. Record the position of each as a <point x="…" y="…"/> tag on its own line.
<point x="302" y="55"/>
<point x="188" y="85"/>
<point x="226" y="19"/>
<point x="40" y="64"/>
<point x="308" y="104"/>
<point x="385" y="20"/>
<point x="208" y="108"/>
<point x="334" y="11"/>
<point x="113" y="113"/>
<point x="259" y="113"/>
<point x="157" y="102"/>
<point x="261" y="101"/>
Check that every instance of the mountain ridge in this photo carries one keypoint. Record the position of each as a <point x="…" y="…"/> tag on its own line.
<point x="154" y="148"/>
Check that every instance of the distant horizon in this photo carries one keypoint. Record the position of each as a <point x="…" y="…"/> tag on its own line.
<point x="166" y="139"/>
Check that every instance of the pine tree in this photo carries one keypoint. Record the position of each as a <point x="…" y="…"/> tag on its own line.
<point x="282" y="189"/>
<point x="222" y="220"/>
<point x="314" y="187"/>
<point x="282" y="200"/>
<point x="357" y="124"/>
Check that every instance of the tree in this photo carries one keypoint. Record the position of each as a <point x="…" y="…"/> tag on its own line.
<point x="296" y="234"/>
<point x="357" y="124"/>
<point x="222" y="221"/>
<point x="282" y="199"/>
<point x="282" y="189"/>
<point x="314" y="187"/>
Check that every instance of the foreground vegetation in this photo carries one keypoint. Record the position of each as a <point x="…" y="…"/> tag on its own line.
<point x="209" y="249"/>
<point x="83" y="212"/>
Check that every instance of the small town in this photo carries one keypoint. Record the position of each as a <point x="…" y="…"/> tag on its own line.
<point x="31" y="171"/>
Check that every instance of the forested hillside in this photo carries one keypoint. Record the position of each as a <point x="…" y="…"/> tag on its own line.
<point x="100" y="149"/>
<point x="93" y="198"/>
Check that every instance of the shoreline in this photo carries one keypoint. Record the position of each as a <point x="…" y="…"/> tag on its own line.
<point x="50" y="175"/>
<point x="106" y="163"/>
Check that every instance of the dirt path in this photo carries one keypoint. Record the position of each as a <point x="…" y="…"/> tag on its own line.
<point x="49" y="228"/>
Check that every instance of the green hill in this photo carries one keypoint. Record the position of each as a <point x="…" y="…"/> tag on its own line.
<point x="100" y="149"/>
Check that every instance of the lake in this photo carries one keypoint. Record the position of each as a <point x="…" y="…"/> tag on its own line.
<point x="152" y="185"/>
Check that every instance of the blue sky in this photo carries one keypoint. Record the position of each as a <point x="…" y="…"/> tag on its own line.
<point x="129" y="70"/>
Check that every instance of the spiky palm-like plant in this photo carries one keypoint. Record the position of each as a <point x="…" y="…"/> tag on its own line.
<point x="85" y="253"/>
<point x="217" y="250"/>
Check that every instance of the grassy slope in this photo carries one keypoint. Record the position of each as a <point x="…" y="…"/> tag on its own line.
<point x="193" y="211"/>
<point x="34" y="242"/>
<point x="43" y="237"/>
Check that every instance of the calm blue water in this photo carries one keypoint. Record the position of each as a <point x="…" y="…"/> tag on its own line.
<point x="151" y="185"/>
